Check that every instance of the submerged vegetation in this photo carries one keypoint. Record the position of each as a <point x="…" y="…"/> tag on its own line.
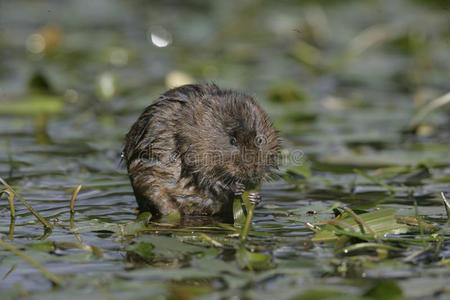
<point x="358" y="90"/>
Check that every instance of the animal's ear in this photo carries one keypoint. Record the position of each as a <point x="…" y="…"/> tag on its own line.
<point x="175" y="96"/>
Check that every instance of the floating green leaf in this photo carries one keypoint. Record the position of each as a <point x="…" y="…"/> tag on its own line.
<point x="253" y="260"/>
<point x="381" y="222"/>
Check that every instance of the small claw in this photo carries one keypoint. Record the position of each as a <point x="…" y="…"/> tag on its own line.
<point x="255" y="198"/>
<point x="238" y="188"/>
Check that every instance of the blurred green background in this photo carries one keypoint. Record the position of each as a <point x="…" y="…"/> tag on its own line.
<point x="307" y="58"/>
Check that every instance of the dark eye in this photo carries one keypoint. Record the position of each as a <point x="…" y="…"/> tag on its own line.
<point x="233" y="141"/>
<point x="260" y="140"/>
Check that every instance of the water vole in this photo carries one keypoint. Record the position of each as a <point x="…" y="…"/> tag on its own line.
<point x="196" y="147"/>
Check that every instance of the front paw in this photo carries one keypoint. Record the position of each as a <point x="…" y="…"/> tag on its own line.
<point x="255" y="198"/>
<point x="237" y="188"/>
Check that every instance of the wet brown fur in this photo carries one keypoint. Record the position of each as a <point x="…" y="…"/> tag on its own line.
<point x="180" y="154"/>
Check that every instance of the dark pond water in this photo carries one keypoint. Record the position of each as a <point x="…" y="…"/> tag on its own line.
<point x="342" y="81"/>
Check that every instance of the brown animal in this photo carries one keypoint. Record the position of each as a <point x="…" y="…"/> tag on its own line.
<point x="196" y="147"/>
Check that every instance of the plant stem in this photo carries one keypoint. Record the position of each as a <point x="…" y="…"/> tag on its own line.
<point x="31" y="261"/>
<point x="248" y="222"/>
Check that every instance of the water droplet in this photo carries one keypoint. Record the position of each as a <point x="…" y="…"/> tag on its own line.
<point x="159" y="36"/>
<point x="35" y="43"/>
<point x="106" y="85"/>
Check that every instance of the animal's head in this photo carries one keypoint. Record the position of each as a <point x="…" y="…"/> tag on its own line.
<point x="224" y="136"/>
